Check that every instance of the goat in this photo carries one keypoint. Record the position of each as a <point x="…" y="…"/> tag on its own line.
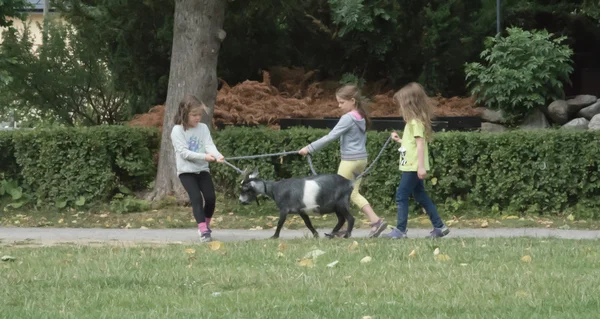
<point x="320" y="194"/>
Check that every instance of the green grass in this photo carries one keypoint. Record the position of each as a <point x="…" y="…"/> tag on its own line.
<point x="484" y="278"/>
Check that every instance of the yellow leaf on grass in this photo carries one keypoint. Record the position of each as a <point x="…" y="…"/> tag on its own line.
<point x="433" y="181"/>
<point x="280" y="254"/>
<point x="526" y="259"/>
<point x="353" y="246"/>
<point x="190" y="251"/>
<point x="169" y="218"/>
<point x="305" y="262"/>
<point x="347" y="277"/>
<point x="485" y="224"/>
<point x="436" y="252"/>
<point x="365" y="260"/>
<point x="413" y="253"/>
<point x="282" y="246"/>
<point x="60" y="221"/>
<point x="442" y="257"/>
<point x="189" y="266"/>
<point x="510" y="217"/>
<point x="571" y="217"/>
<point x="215" y="245"/>
<point x="521" y="293"/>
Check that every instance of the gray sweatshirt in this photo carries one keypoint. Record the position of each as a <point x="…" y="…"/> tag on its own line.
<point x="353" y="138"/>
<point x="191" y="147"/>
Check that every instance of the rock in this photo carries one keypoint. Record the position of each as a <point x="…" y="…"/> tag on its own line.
<point x="594" y="123"/>
<point x="581" y="101"/>
<point x="535" y="121"/>
<point x="489" y="115"/>
<point x="492" y="128"/>
<point x="590" y="111"/>
<point x="558" y="111"/>
<point x="580" y="123"/>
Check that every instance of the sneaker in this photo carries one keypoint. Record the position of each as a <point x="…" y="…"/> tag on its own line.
<point x="380" y="226"/>
<point x="204" y="237"/>
<point x="439" y="232"/>
<point x="395" y="234"/>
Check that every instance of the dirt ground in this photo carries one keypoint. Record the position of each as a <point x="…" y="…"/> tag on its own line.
<point x="294" y="93"/>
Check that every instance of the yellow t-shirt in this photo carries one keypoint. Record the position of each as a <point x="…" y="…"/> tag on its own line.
<point x="408" y="150"/>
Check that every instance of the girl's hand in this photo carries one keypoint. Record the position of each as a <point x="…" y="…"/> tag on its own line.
<point x="221" y="160"/>
<point x="303" y="151"/>
<point x="422" y="173"/>
<point x="209" y="158"/>
<point x="396" y="138"/>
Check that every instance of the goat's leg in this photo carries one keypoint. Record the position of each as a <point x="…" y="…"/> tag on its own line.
<point x="340" y="223"/>
<point x="308" y="224"/>
<point x="282" y="217"/>
<point x="345" y="211"/>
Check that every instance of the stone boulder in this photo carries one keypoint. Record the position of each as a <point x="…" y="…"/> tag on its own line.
<point x="535" y="121"/>
<point x="580" y="123"/>
<point x="492" y="128"/>
<point x="558" y="111"/>
<point x="594" y="123"/>
<point x="581" y="101"/>
<point x="590" y="111"/>
<point x="489" y="115"/>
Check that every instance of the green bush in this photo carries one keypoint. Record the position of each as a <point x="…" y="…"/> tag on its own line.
<point x="520" y="72"/>
<point x="69" y="166"/>
<point x="545" y="172"/>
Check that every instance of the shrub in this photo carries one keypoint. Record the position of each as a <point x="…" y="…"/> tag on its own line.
<point x="520" y="72"/>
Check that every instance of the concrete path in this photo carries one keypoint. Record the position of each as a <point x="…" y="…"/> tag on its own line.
<point x="51" y="236"/>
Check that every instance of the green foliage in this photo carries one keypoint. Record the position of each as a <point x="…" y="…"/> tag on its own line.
<point x="128" y="204"/>
<point x="520" y="72"/>
<point x="544" y="172"/>
<point x="78" y="89"/>
<point x="135" y="39"/>
<point x="68" y="167"/>
<point x="12" y="9"/>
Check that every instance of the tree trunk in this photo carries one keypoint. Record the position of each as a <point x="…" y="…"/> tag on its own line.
<point x="197" y="39"/>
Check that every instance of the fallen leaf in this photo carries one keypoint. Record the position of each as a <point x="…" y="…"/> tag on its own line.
<point x="433" y="182"/>
<point x="103" y="215"/>
<point x="305" y="262"/>
<point x="190" y="251"/>
<point x="189" y="266"/>
<point x="332" y="264"/>
<point x="463" y="264"/>
<point x="547" y="226"/>
<point x="485" y="224"/>
<point x="521" y="293"/>
<point x="280" y="254"/>
<point x="353" y="246"/>
<point x="413" y="253"/>
<point x="150" y="220"/>
<point x="526" y="259"/>
<point x="282" y="247"/>
<point x="128" y="226"/>
<point x="230" y="214"/>
<point x="436" y="252"/>
<point x="256" y="228"/>
<point x="215" y="245"/>
<point x="169" y="218"/>
<point x="60" y="221"/>
<point x="442" y="257"/>
<point x="314" y="253"/>
<point x="365" y="260"/>
<point x="143" y="227"/>
<point x="17" y="222"/>
<point x="347" y="277"/>
<point x="510" y="217"/>
<point x="571" y="217"/>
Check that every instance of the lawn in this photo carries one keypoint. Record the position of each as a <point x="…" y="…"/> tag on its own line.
<point x="469" y="278"/>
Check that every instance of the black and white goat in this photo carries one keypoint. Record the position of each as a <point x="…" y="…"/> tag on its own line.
<point x="320" y="194"/>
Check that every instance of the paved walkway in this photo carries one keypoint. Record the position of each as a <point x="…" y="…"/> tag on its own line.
<point x="50" y="236"/>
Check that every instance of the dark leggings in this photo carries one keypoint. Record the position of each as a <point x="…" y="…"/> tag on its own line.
<point x="199" y="186"/>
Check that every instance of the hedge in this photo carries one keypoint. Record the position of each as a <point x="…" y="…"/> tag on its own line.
<point x="66" y="165"/>
<point x="545" y="172"/>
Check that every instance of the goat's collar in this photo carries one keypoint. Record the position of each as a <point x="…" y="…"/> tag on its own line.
<point x="266" y="188"/>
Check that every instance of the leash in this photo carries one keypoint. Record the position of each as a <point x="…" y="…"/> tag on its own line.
<point x="308" y="158"/>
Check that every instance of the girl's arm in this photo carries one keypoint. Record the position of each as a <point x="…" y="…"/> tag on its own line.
<point x="181" y="147"/>
<point x="211" y="148"/>
<point x="421" y="171"/>
<point x="340" y="128"/>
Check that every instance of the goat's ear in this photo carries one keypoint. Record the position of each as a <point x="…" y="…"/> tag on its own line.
<point x="254" y="174"/>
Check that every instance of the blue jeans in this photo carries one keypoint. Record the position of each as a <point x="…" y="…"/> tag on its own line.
<point x="411" y="184"/>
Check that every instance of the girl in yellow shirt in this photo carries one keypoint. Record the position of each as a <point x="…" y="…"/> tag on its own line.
<point x="416" y="110"/>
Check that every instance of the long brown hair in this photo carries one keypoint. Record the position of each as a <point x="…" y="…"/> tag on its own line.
<point x="186" y="106"/>
<point x="351" y="91"/>
<point x="416" y="105"/>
